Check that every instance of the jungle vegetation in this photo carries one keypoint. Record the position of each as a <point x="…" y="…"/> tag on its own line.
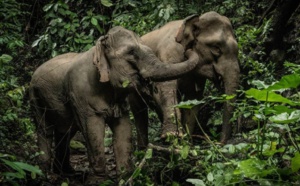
<point x="266" y="143"/>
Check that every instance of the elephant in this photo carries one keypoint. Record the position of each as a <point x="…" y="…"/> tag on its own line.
<point x="211" y="36"/>
<point x="85" y="91"/>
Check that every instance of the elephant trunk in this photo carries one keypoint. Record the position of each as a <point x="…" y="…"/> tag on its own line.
<point x="160" y="71"/>
<point x="231" y="82"/>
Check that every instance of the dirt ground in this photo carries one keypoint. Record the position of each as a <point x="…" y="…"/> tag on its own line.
<point x="79" y="161"/>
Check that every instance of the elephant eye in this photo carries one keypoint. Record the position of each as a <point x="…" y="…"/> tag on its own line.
<point x="131" y="52"/>
<point x="216" y="51"/>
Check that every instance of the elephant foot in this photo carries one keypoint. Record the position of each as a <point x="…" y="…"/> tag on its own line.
<point x="170" y="130"/>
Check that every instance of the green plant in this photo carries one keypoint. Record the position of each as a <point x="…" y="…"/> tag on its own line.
<point x="11" y="37"/>
<point x="70" y="29"/>
<point x="13" y="171"/>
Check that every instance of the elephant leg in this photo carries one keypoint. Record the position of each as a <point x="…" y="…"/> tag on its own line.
<point x="93" y="131"/>
<point x="166" y="98"/>
<point x="44" y="139"/>
<point x="61" y="163"/>
<point x="191" y="90"/>
<point x="45" y="133"/>
<point x="189" y="118"/>
<point x="140" y="112"/>
<point x="122" y="134"/>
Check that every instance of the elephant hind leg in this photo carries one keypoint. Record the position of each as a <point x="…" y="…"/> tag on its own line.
<point x="61" y="164"/>
<point x="45" y="133"/>
<point x="45" y="138"/>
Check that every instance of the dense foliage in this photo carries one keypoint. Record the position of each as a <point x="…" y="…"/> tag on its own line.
<point x="265" y="149"/>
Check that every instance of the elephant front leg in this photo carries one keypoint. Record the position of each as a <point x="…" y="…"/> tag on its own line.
<point x="166" y="98"/>
<point x="140" y="112"/>
<point x="121" y="128"/>
<point x="94" y="132"/>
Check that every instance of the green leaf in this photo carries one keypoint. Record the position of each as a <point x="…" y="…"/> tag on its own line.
<point x="295" y="162"/>
<point x="13" y="175"/>
<point x="136" y="173"/>
<point x="94" y="21"/>
<point x="210" y="177"/>
<point x="189" y="104"/>
<point x="286" y="118"/>
<point x="64" y="184"/>
<point x="4" y="58"/>
<point x="149" y="154"/>
<point x="271" y="152"/>
<point x="125" y="83"/>
<point x="76" y="145"/>
<point x="47" y="7"/>
<point x="253" y="168"/>
<point x="278" y="109"/>
<point x="106" y="3"/>
<point x="264" y="95"/>
<point x="21" y="173"/>
<point x="196" y="182"/>
<point x="288" y="81"/>
<point x="259" y="84"/>
<point x="29" y="168"/>
<point x="185" y="151"/>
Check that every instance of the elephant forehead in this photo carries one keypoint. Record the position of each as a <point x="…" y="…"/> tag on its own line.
<point x="120" y="34"/>
<point x="213" y="37"/>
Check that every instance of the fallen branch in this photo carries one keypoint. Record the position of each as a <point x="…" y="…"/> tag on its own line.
<point x="163" y="149"/>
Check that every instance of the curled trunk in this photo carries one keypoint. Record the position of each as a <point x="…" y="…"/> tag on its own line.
<point x="165" y="71"/>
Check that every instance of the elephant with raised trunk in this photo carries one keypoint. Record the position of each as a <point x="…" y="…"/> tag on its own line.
<point x="211" y="36"/>
<point x="85" y="91"/>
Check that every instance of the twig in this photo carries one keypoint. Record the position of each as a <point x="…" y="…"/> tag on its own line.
<point x="163" y="149"/>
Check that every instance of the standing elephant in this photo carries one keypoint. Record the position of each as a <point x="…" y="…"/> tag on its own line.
<point x="85" y="91"/>
<point x="211" y="37"/>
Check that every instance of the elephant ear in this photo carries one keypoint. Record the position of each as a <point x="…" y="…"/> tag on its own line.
<point x="100" y="60"/>
<point x="188" y="31"/>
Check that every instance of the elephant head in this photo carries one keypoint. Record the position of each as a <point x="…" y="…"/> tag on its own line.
<point x="123" y="59"/>
<point x="211" y="36"/>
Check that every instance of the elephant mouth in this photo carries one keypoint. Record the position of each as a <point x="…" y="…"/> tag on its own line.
<point x="219" y="83"/>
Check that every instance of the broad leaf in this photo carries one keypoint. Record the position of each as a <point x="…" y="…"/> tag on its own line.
<point x="149" y="153"/>
<point x="288" y="81"/>
<point x="106" y="3"/>
<point x="210" y="177"/>
<point x="189" y="104"/>
<point x="47" y="7"/>
<point x="13" y="165"/>
<point x="5" y="58"/>
<point x="29" y="168"/>
<point x="196" y="182"/>
<point x="295" y="162"/>
<point x="268" y="96"/>
<point x="253" y="168"/>
<point x="185" y="151"/>
<point x="259" y="84"/>
<point x="286" y="118"/>
<point x="94" y="21"/>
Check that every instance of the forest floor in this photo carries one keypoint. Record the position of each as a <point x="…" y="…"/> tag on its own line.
<point x="79" y="161"/>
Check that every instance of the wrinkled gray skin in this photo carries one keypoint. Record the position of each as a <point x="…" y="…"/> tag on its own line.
<point x="85" y="91"/>
<point x="211" y="36"/>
